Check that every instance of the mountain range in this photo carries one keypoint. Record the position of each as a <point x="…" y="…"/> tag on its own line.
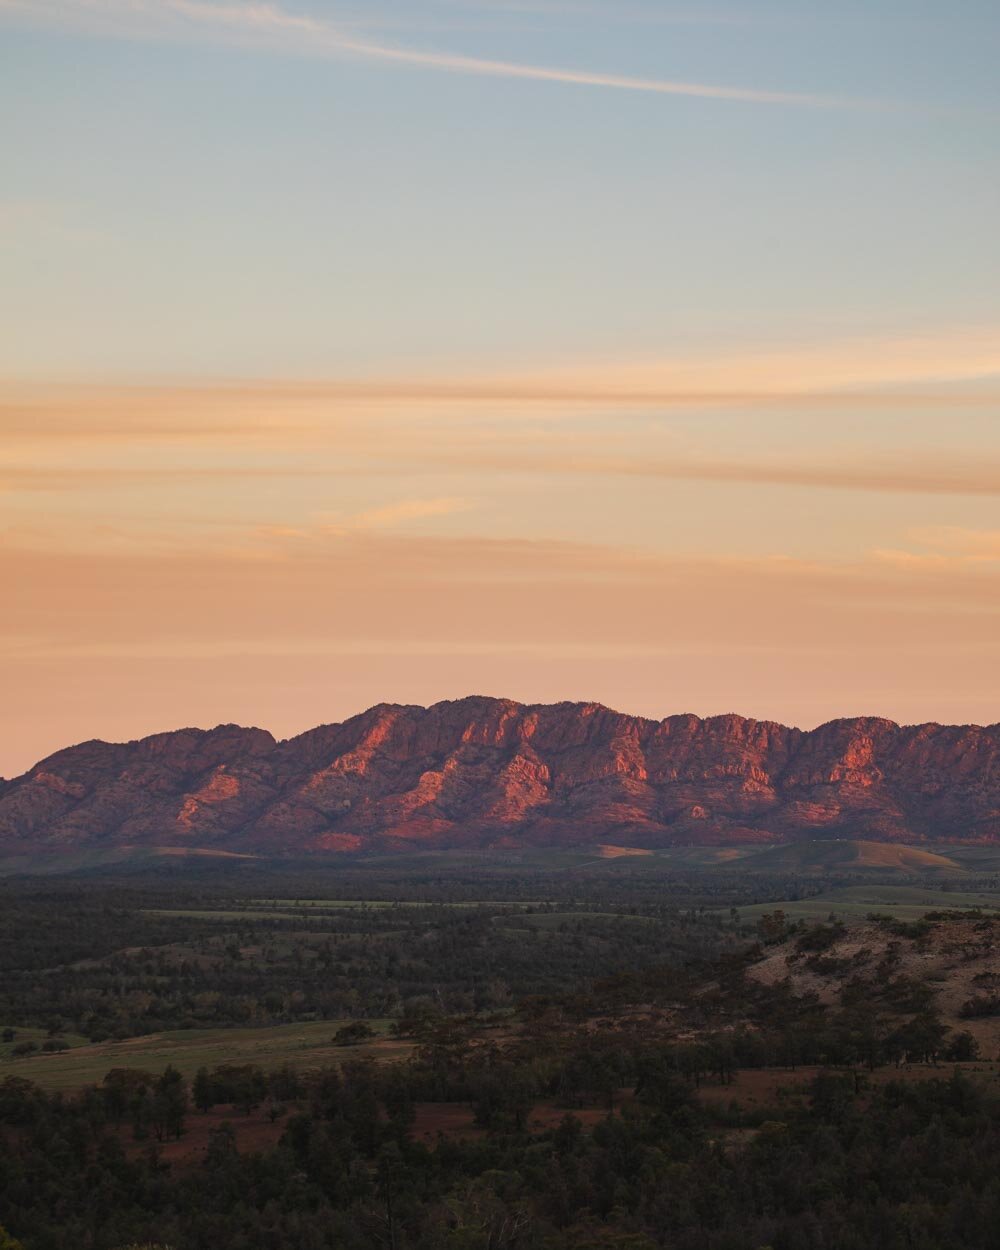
<point x="484" y="772"/>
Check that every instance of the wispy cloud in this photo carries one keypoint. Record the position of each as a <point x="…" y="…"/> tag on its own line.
<point x="385" y="517"/>
<point x="73" y="439"/>
<point x="617" y="11"/>
<point x="278" y="29"/>
<point x="958" y="540"/>
<point x="290" y="411"/>
<point x="951" y="369"/>
<point x="939" y="477"/>
<point x="944" y="546"/>
<point x="25" y="478"/>
<point x="349" y="586"/>
<point x="388" y="516"/>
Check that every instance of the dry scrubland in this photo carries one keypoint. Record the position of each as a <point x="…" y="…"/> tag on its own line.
<point x="956" y="958"/>
<point x="644" y="1044"/>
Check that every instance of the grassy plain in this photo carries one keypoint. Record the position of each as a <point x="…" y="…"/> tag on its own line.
<point x="302" y="1045"/>
<point x="39" y="1037"/>
<point x="313" y="908"/>
<point x="853" y="903"/>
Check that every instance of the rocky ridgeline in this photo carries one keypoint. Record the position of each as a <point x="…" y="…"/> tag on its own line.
<point x="490" y="772"/>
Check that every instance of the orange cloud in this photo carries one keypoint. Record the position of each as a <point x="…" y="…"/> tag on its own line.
<point x="936" y="478"/>
<point x="392" y="514"/>
<point x="476" y="591"/>
<point x="944" y="546"/>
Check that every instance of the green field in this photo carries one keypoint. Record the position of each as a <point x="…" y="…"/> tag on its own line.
<point x="327" y="904"/>
<point x="219" y="913"/>
<point x="311" y="909"/>
<point x="39" y="1037"/>
<point x="299" y="1045"/>
<point x="323" y="903"/>
<point x="854" y="902"/>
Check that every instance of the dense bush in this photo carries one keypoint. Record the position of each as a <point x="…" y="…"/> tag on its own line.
<point x="845" y="1168"/>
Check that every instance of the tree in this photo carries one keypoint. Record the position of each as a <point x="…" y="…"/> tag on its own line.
<point x="203" y="1091"/>
<point x="772" y="925"/>
<point x="397" y="1099"/>
<point x="922" y="1038"/>
<point x="169" y="1104"/>
<point x="962" y="1048"/>
<point x="661" y="1087"/>
<point x="123" y="1089"/>
<point x="352" y="1034"/>
<point x="502" y="1095"/>
<point x="7" y="1242"/>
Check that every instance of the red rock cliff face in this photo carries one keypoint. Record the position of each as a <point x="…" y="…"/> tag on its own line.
<point x="488" y="771"/>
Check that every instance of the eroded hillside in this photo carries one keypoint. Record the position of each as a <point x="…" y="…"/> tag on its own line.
<point x="947" y="963"/>
<point x="490" y="772"/>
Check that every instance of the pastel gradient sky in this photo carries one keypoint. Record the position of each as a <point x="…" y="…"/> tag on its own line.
<point x="612" y="350"/>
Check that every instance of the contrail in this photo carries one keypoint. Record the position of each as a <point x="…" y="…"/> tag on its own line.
<point x="316" y="37"/>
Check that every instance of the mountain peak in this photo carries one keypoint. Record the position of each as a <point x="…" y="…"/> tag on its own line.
<point x="482" y="770"/>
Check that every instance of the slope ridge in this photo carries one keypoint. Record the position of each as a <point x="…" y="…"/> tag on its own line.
<point x="483" y="771"/>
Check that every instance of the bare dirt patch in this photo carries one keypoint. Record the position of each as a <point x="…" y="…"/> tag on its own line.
<point x="957" y="959"/>
<point x="253" y="1133"/>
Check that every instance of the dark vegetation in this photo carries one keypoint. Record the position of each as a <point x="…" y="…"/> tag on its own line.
<point x="840" y="1165"/>
<point x="619" y="1010"/>
<point x="106" y="962"/>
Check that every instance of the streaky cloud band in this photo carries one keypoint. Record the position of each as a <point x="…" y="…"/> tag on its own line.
<point x="278" y="29"/>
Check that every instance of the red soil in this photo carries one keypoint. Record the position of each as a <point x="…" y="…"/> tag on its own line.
<point x="254" y="1133"/>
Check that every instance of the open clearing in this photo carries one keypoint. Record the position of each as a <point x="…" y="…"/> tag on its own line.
<point x="38" y="1036"/>
<point x="191" y="913"/>
<point x="335" y="903"/>
<point x="854" y="903"/>
<point x="299" y="1045"/>
<point x="311" y="909"/>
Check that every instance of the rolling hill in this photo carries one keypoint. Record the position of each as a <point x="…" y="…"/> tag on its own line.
<point x="845" y="855"/>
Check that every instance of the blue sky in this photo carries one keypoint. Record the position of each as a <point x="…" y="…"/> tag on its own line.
<point x="248" y="200"/>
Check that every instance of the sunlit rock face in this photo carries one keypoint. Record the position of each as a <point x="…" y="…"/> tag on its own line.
<point x="481" y="772"/>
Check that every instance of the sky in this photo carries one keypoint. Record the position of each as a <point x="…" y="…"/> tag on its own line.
<point x="603" y="350"/>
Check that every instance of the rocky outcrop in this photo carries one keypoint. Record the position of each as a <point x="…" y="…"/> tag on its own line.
<point x="481" y="772"/>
